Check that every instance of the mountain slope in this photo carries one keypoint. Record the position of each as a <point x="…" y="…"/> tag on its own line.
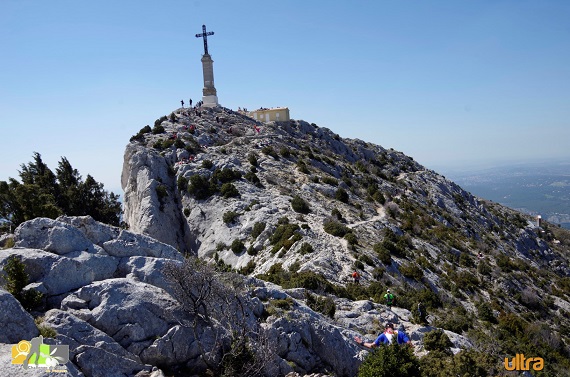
<point x="291" y="202"/>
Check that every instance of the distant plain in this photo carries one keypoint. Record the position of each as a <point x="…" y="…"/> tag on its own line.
<point x="536" y="188"/>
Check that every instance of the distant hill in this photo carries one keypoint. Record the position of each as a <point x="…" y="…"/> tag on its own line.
<point x="537" y="188"/>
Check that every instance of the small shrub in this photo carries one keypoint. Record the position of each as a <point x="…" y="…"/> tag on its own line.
<point x="16" y="278"/>
<point x="228" y="190"/>
<point x="485" y="313"/>
<point x="186" y="212"/>
<point x="351" y="238"/>
<point x="158" y="129"/>
<point x="237" y="246"/>
<point x="200" y="187"/>
<point x="330" y="181"/>
<point x="229" y="217"/>
<point x="258" y="227"/>
<point x="45" y="330"/>
<point x="303" y="167"/>
<point x="251" y="250"/>
<point x="300" y="205"/>
<point x="383" y="253"/>
<point x="306" y="249"/>
<point x="252" y="158"/>
<point x="335" y="228"/>
<point x="285" y="236"/>
<point x="323" y="305"/>
<point x="268" y="150"/>
<point x="253" y="178"/>
<point x="390" y="361"/>
<point x="207" y="164"/>
<point x="412" y="271"/>
<point x="225" y="175"/>
<point x="336" y="214"/>
<point x="285" y="152"/>
<point x="248" y="268"/>
<point x="182" y="183"/>
<point x="341" y="195"/>
<point x="437" y="340"/>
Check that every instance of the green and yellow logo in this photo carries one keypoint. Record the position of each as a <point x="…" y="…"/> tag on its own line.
<point x="35" y="353"/>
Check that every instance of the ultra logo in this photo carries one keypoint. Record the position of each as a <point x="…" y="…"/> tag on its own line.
<point x="519" y="362"/>
<point x="35" y="353"/>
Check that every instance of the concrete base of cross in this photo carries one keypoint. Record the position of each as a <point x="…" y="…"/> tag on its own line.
<point x="210" y="101"/>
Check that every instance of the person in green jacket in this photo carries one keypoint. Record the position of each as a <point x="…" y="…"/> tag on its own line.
<point x="389" y="298"/>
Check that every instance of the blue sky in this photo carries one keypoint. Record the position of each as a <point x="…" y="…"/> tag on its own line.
<point x="449" y="83"/>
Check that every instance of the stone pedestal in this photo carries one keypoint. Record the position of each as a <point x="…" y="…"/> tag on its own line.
<point x="209" y="98"/>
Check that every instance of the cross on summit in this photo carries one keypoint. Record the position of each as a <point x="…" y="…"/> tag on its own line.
<point x="204" y="35"/>
<point x="209" y="93"/>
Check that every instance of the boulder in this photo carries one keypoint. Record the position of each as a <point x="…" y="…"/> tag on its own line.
<point x="61" y="274"/>
<point x="96" y="232"/>
<point x="129" y="311"/>
<point x="75" y="332"/>
<point x="51" y="235"/>
<point x="16" y="323"/>
<point x="131" y="244"/>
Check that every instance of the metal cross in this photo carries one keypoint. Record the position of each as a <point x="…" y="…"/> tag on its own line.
<point x="205" y="36"/>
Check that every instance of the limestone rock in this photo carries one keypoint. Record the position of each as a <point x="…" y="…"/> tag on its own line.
<point x="132" y="312"/>
<point x="16" y="323"/>
<point x="144" y="176"/>
<point x="51" y="235"/>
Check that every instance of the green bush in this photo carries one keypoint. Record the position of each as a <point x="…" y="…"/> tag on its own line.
<point x="485" y="312"/>
<point x="237" y="246"/>
<point x="225" y="175"/>
<point x="323" y="305"/>
<point x="341" y="195"/>
<point x="253" y="178"/>
<point x="16" y="278"/>
<point x="258" y="227"/>
<point x="390" y="361"/>
<point x="330" y="180"/>
<point x="300" y="205"/>
<point x="207" y="164"/>
<point x="200" y="187"/>
<point x="351" y="238"/>
<point x="228" y="190"/>
<point x="285" y="152"/>
<point x="140" y="135"/>
<point x="306" y="249"/>
<point x="302" y="167"/>
<point x="383" y="253"/>
<point x="252" y="158"/>
<point x="285" y="236"/>
<point x="229" y="217"/>
<point x="158" y="129"/>
<point x="182" y="183"/>
<point x="268" y="150"/>
<point x="45" y="330"/>
<point x="335" y="228"/>
<point x="336" y="214"/>
<point x="412" y="271"/>
<point x="186" y="212"/>
<point x="437" y="340"/>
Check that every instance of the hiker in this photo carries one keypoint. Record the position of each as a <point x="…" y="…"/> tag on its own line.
<point x="387" y="337"/>
<point x="389" y="297"/>
<point x="182" y="102"/>
<point x="356" y="277"/>
<point x="422" y="314"/>
<point x="190" y="102"/>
